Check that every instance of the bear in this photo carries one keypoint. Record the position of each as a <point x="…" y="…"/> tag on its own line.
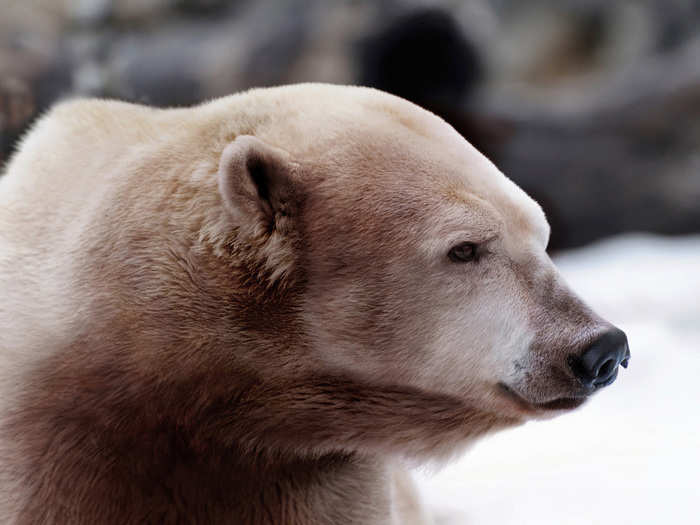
<point x="257" y="309"/>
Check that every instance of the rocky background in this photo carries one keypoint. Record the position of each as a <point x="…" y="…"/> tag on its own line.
<point x="592" y="106"/>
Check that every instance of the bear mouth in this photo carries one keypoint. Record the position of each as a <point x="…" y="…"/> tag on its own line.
<point x="560" y="403"/>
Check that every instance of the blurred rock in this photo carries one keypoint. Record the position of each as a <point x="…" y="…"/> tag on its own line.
<point x="423" y="56"/>
<point x="16" y="107"/>
<point x="139" y="11"/>
<point x="203" y="6"/>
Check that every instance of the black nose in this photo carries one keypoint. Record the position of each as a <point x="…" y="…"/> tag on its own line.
<point x="597" y="365"/>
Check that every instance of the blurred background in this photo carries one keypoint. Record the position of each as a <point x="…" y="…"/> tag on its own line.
<point x="592" y="106"/>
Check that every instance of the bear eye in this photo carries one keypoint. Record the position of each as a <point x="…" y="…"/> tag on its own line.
<point x="463" y="252"/>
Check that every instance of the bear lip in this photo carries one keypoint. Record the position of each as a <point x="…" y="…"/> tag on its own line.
<point x="560" y="403"/>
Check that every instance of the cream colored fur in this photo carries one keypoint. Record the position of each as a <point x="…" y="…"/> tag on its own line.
<point x="178" y="344"/>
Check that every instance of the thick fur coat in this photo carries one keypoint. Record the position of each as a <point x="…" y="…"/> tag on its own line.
<point x="245" y="312"/>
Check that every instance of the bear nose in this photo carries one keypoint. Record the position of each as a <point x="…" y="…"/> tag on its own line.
<point x="597" y="366"/>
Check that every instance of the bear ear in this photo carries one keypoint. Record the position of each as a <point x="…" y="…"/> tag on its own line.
<point x="258" y="182"/>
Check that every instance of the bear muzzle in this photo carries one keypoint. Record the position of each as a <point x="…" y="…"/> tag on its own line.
<point x="590" y="370"/>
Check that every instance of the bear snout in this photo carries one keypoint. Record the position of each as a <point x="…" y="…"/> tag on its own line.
<point x="566" y="385"/>
<point x="598" y="364"/>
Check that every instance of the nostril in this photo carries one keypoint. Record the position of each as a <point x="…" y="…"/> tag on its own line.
<point x="607" y="368"/>
<point x="597" y="365"/>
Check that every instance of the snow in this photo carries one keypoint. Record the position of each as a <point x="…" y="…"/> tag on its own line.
<point x="632" y="453"/>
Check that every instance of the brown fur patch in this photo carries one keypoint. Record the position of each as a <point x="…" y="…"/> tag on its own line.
<point x="100" y="444"/>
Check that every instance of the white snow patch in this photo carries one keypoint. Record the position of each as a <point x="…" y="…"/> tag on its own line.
<point x="632" y="453"/>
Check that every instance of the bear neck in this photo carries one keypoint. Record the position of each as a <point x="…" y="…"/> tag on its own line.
<point x="175" y="486"/>
<point x="86" y="458"/>
<point x="221" y="449"/>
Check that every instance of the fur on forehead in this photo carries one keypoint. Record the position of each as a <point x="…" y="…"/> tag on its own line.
<point x="356" y="144"/>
